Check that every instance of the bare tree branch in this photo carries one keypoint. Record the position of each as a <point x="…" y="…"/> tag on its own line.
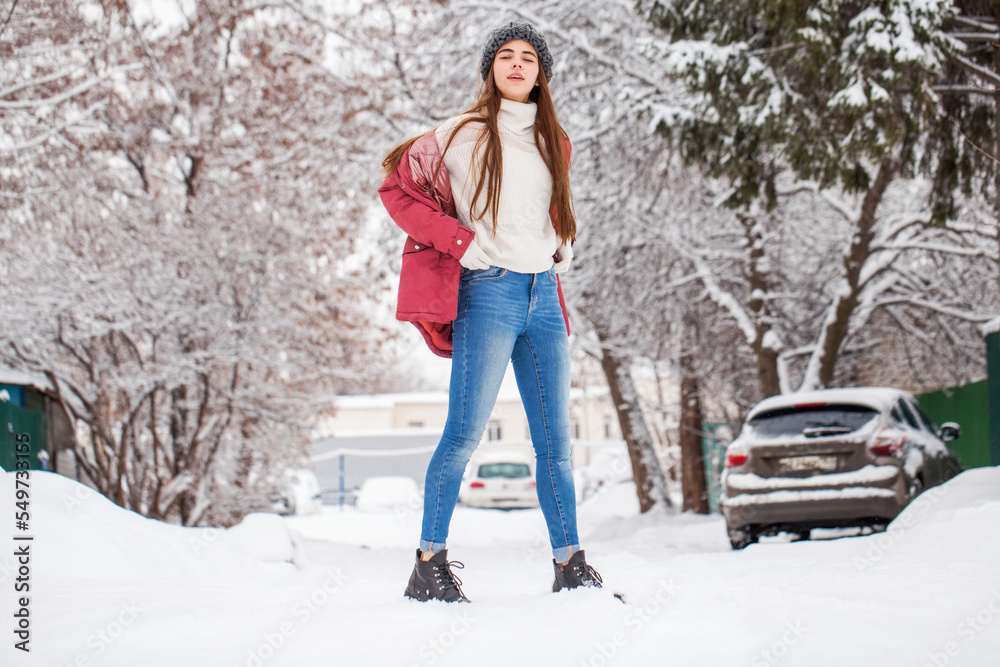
<point x="6" y="21"/>
<point x="972" y="143"/>
<point x="973" y="67"/>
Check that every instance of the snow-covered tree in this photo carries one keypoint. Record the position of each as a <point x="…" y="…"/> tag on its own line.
<point x="838" y="96"/>
<point x="184" y="264"/>
<point x="967" y="136"/>
<point x="50" y="60"/>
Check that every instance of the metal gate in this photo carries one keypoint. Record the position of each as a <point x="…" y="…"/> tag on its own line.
<point x="23" y="438"/>
<point x="967" y="405"/>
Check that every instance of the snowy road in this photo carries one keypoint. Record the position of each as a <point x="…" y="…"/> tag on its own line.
<point x="111" y="588"/>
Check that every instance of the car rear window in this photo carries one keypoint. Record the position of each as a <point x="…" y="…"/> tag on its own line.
<point x="812" y="421"/>
<point x="512" y="470"/>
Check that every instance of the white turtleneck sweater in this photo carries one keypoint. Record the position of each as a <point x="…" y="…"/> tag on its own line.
<point x="525" y="239"/>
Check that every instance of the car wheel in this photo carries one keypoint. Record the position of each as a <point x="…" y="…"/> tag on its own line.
<point x="742" y="537"/>
<point x="916" y="487"/>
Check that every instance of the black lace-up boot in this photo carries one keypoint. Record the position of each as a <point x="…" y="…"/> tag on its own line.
<point x="575" y="573"/>
<point x="434" y="580"/>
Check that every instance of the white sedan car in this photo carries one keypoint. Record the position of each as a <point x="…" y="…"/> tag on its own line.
<point x="500" y="479"/>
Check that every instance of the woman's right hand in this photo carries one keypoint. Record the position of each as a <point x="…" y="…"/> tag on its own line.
<point x="474" y="258"/>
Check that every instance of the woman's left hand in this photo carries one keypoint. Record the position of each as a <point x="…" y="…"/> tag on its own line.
<point x="564" y="255"/>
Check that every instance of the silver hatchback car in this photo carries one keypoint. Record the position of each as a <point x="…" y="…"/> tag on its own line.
<point x="831" y="458"/>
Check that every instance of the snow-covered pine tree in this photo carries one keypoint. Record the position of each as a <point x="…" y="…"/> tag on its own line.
<point x="969" y="141"/>
<point x="839" y="94"/>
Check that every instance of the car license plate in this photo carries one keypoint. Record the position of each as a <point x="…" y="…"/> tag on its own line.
<point x="807" y="464"/>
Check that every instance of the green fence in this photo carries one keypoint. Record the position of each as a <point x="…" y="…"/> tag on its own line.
<point x="993" y="373"/>
<point x="713" y="451"/>
<point x="23" y="431"/>
<point x="967" y="405"/>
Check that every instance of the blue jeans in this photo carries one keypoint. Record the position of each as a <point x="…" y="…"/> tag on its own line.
<point x="506" y="316"/>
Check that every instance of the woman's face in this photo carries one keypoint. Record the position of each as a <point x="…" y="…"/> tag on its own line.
<point x="515" y="70"/>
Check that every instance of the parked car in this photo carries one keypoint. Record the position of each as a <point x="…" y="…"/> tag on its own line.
<point x="387" y="493"/>
<point x="831" y="458"/>
<point x="500" y="479"/>
<point x="299" y="493"/>
<point x="609" y="465"/>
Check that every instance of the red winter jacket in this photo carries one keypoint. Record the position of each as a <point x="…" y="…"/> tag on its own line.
<point x="429" y="278"/>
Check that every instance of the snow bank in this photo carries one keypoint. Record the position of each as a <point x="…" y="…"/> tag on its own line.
<point x="958" y="521"/>
<point x="264" y="538"/>
<point x="81" y="535"/>
<point x="973" y="492"/>
<point x="111" y="588"/>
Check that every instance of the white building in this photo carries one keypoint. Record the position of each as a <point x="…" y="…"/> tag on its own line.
<point x="592" y="416"/>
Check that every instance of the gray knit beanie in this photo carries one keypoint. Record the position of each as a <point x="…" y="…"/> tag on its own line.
<point x="508" y="33"/>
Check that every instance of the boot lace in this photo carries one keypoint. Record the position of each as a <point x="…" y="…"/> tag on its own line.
<point x="446" y="579"/>
<point x="587" y="575"/>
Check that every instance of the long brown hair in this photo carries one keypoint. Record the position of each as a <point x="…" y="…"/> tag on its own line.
<point x="549" y="136"/>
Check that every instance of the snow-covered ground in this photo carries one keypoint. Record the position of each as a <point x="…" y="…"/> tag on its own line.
<point x="108" y="587"/>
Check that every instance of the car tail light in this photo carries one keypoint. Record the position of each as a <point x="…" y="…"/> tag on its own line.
<point x="531" y="484"/>
<point x="477" y="485"/>
<point x="735" y="459"/>
<point x="888" y="442"/>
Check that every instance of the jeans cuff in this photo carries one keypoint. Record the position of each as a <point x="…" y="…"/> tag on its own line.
<point x="563" y="554"/>
<point x="432" y="547"/>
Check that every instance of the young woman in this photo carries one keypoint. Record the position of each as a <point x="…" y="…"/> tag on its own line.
<point x="485" y="202"/>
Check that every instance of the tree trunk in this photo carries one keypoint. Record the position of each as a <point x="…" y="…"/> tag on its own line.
<point x="693" y="482"/>
<point x="767" y="356"/>
<point x="650" y="482"/>
<point x="996" y="136"/>
<point x="836" y="327"/>
<point x="767" y="365"/>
